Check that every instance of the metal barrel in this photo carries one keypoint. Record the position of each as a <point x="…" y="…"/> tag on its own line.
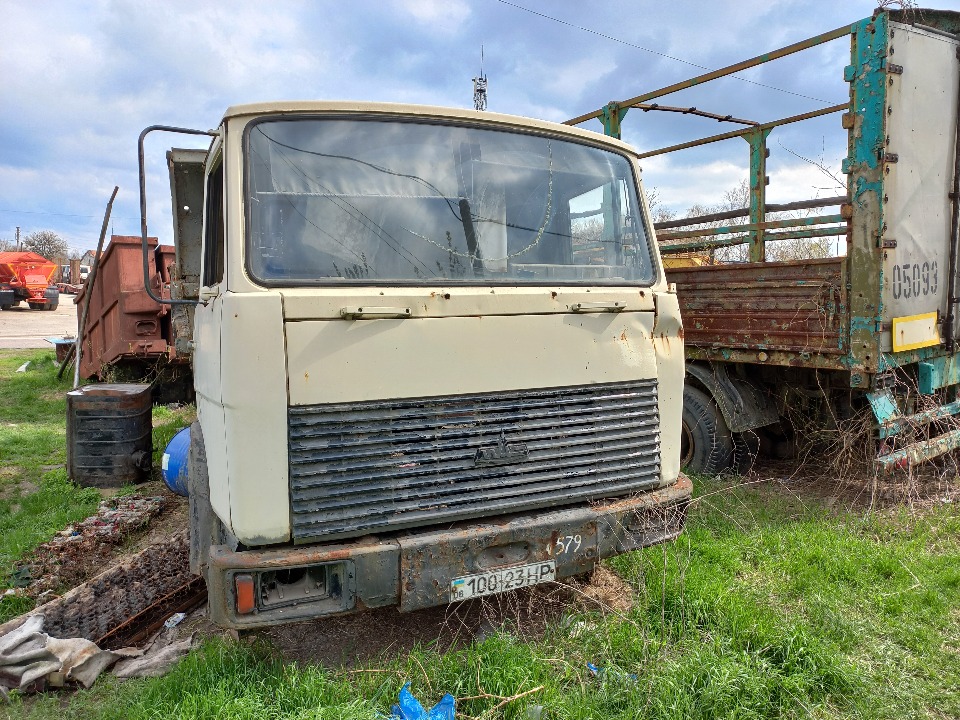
<point x="174" y="465"/>
<point x="109" y="434"/>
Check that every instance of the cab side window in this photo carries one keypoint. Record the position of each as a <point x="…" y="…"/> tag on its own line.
<point x="213" y="241"/>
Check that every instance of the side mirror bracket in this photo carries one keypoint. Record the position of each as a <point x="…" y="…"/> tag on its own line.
<point x="143" y="208"/>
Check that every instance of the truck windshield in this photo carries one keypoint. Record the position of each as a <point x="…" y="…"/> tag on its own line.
<point x="333" y="200"/>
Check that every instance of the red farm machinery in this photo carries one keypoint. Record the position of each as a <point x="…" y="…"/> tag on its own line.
<point x="27" y="276"/>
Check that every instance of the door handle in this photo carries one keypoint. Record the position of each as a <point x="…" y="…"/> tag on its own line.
<point x="359" y="313"/>
<point x="596" y="307"/>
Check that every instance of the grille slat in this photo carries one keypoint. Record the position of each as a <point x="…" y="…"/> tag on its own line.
<point x="389" y="465"/>
<point x="318" y="461"/>
<point x="348" y="524"/>
<point x="332" y="436"/>
<point x="536" y="482"/>
<point x="460" y="471"/>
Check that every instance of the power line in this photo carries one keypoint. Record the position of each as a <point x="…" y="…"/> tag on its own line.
<point x="44" y="212"/>
<point x="656" y="52"/>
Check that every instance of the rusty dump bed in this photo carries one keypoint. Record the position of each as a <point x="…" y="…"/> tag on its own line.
<point x="123" y="322"/>
<point x="788" y="310"/>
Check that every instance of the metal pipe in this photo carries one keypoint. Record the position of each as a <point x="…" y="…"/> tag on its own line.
<point x="917" y="420"/>
<point x="747" y="227"/>
<point x="742" y="212"/>
<point x="740" y="239"/>
<point x="948" y="334"/>
<point x="91" y="282"/>
<point x="919" y="451"/>
<point x="936" y="31"/>
<point x="143" y="207"/>
<point x="728" y="70"/>
<point x="740" y="133"/>
<point x="693" y="111"/>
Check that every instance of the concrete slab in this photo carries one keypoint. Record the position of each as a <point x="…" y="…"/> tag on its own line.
<point x="21" y="327"/>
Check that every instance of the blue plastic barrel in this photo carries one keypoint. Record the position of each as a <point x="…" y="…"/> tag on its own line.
<point x="175" y="462"/>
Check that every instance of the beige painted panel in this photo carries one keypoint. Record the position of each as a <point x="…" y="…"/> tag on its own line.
<point x="255" y="414"/>
<point x="207" y="383"/>
<point x="326" y="303"/>
<point x="668" y="345"/>
<point x="351" y="360"/>
<point x="921" y="127"/>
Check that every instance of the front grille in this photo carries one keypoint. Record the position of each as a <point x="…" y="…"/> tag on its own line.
<point x="380" y="466"/>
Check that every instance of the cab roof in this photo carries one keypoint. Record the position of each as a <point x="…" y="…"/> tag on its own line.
<point x="422" y="111"/>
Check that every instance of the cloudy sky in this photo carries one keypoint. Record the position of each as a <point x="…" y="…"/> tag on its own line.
<point x="80" y="79"/>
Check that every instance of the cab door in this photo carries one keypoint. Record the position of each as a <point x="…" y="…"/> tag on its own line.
<point x="207" y="325"/>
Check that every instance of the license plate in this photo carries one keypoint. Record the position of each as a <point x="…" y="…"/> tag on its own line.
<point x="497" y="581"/>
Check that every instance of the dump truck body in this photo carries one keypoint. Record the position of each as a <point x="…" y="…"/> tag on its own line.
<point x="128" y="335"/>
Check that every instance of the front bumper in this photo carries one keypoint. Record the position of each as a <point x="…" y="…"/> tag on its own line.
<point x="414" y="570"/>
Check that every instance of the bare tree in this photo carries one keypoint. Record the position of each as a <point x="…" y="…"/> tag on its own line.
<point x="7" y="245"/>
<point x="46" y="243"/>
<point x="738" y="198"/>
<point x="658" y="213"/>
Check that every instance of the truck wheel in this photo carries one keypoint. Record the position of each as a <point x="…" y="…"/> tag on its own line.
<point x="52" y="306"/>
<point x="35" y="306"/>
<point x="706" y="444"/>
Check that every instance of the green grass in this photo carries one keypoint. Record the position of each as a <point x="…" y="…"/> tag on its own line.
<point x="769" y="606"/>
<point x="36" y="498"/>
<point x="167" y="422"/>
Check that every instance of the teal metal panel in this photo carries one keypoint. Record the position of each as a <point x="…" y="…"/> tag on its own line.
<point x="937" y="373"/>
<point x="611" y="115"/>
<point x="868" y="94"/>
<point x="883" y="405"/>
<point x="918" y="420"/>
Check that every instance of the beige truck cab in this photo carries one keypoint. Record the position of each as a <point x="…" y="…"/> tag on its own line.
<point x="436" y="358"/>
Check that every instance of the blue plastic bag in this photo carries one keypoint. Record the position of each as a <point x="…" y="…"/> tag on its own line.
<point x="409" y="708"/>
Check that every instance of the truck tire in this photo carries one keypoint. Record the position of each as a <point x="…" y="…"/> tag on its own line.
<point x="52" y="306"/>
<point x="706" y="444"/>
<point x="35" y="305"/>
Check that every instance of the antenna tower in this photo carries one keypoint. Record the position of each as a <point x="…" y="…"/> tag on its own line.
<point x="480" y="87"/>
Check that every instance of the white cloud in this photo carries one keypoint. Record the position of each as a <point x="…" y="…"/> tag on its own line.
<point x="445" y="15"/>
<point x="80" y="80"/>
<point x="681" y="186"/>
<point x="804" y="181"/>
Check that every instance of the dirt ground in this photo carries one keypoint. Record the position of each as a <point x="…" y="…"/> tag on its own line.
<point x="21" y="327"/>
<point x="384" y="633"/>
<point x="380" y="634"/>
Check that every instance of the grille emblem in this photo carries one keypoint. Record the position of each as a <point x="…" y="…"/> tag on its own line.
<point x="503" y="453"/>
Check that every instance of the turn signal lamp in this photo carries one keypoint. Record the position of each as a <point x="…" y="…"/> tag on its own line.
<point x="246" y="602"/>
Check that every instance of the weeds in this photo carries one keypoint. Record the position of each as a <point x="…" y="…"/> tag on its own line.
<point x="771" y="604"/>
<point x="767" y="606"/>
<point x="36" y="498"/>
